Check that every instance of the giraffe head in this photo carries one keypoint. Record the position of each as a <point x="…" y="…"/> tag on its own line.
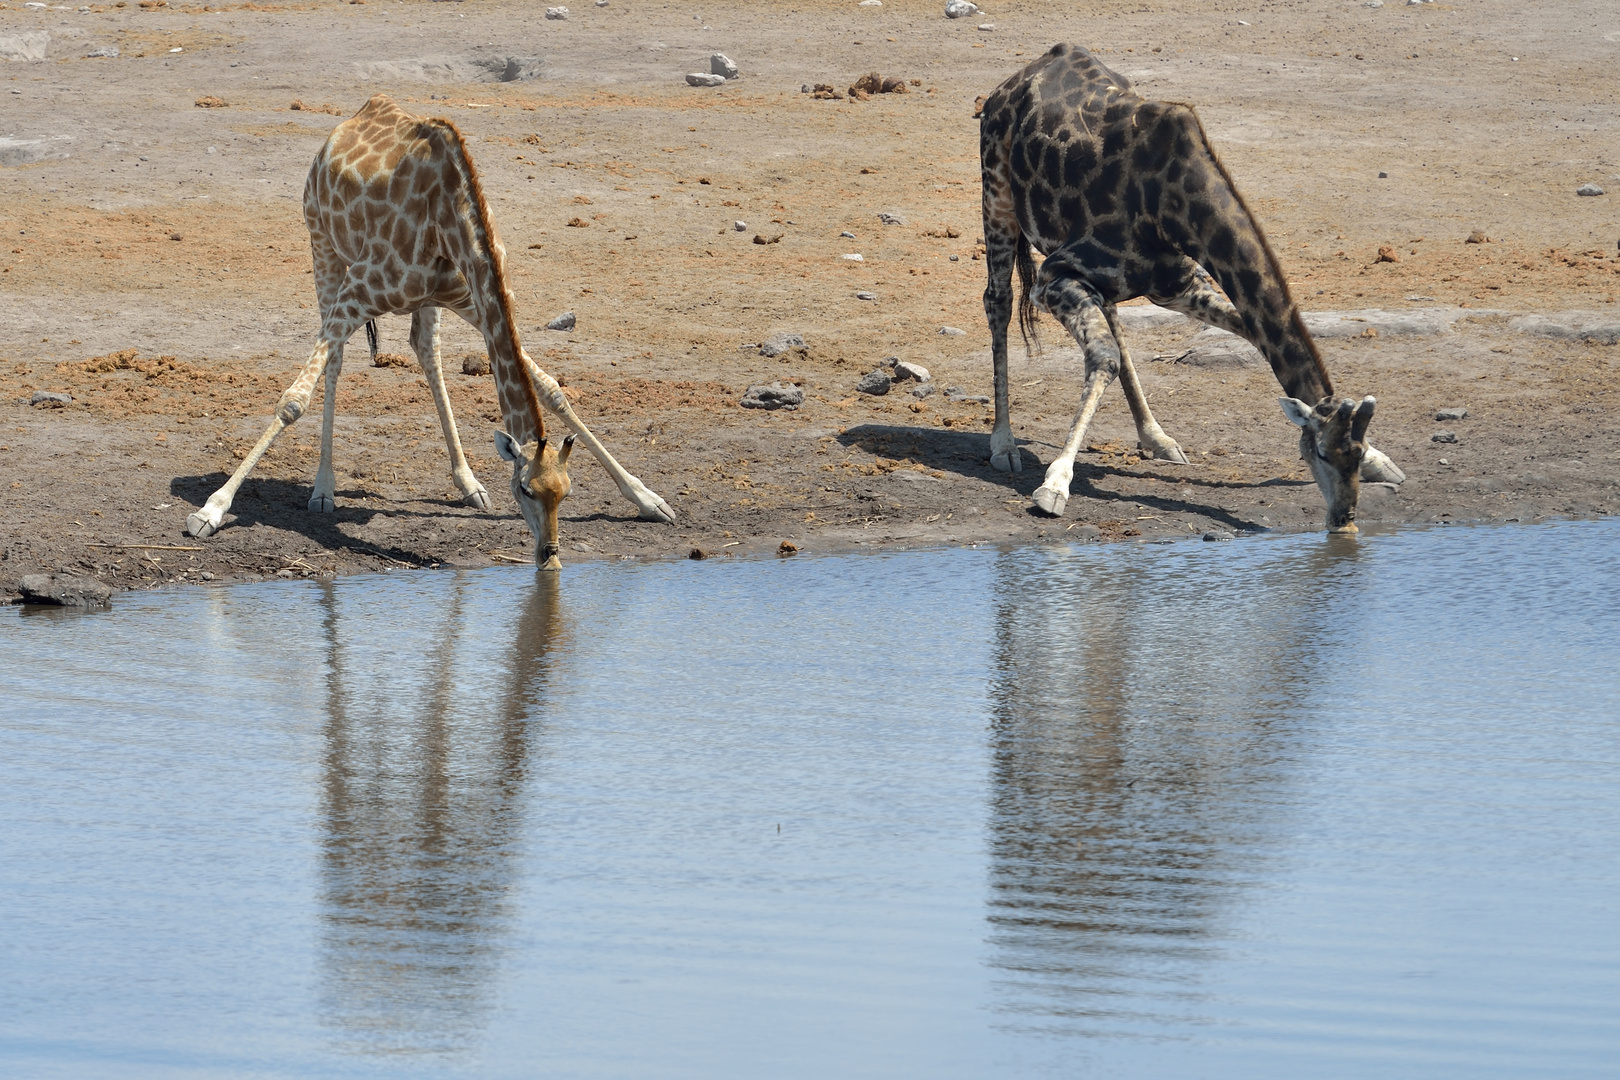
<point x="540" y="484"/>
<point x="1333" y="441"/>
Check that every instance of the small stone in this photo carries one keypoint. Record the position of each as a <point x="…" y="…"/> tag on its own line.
<point x="889" y="217"/>
<point x="1443" y="437"/>
<point x="954" y="258"/>
<point x="847" y="235"/>
<point x="777" y="344"/>
<point x="475" y="363"/>
<point x="721" y="64"/>
<point x="773" y="396"/>
<point x="786" y="548"/>
<point x="905" y="370"/>
<point x="864" y="295"/>
<point x="855" y="256"/>
<point x="50" y="400"/>
<point x="1383" y="176"/>
<point x="556" y="13"/>
<point x="565" y="321"/>
<point x="987" y="27"/>
<point x="1375" y="3"/>
<point x="960" y="9"/>
<point x="697" y="553"/>
<point x="925" y="390"/>
<point x="703" y="78"/>
<point x="871" y="3"/>
<point x="1455" y="413"/>
<point x="106" y="52"/>
<point x="601" y="3"/>
<point x="1588" y="189"/>
<point x="1443" y="461"/>
<point x="1217" y="534"/>
<point x="207" y="575"/>
<point x="952" y="331"/>
<point x="876" y="383"/>
<point x="1387" y="254"/>
<point x="63" y="591"/>
<point x="739" y="226"/>
<point x="1477" y="237"/>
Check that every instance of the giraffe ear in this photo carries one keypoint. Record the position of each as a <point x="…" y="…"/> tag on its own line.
<point x="1299" y="414"/>
<point x="507" y="447"/>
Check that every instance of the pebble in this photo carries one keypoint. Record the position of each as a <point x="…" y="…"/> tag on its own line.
<point x="601" y="3"/>
<point x="953" y="331"/>
<point x="565" y="321"/>
<point x="960" y="9"/>
<point x="905" y="370"/>
<point x="773" y="396"/>
<point x="106" y="52"/>
<point x="556" y="13"/>
<point x="206" y="575"/>
<point x="50" y="399"/>
<point x="33" y="5"/>
<point x="1588" y="189"/>
<point x="721" y="64"/>
<point x="925" y="390"/>
<point x="739" y="226"/>
<point x="1217" y="534"/>
<point x="855" y="256"/>
<point x="954" y="393"/>
<point x="1455" y="413"/>
<point x="871" y="3"/>
<point x="703" y="78"/>
<point x="847" y="235"/>
<point x="777" y="344"/>
<point x="1443" y="437"/>
<point x="954" y="258"/>
<point x="1375" y="3"/>
<point x="864" y="295"/>
<point x="876" y="383"/>
<point x="889" y="217"/>
<point x="63" y="591"/>
<point x="987" y="27"/>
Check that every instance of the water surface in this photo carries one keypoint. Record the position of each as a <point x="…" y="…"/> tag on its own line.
<point x="1285" y="806"/>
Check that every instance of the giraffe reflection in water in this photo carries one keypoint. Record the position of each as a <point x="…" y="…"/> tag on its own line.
<point x="1142" y="733"/>
<point x="422" y="791"/>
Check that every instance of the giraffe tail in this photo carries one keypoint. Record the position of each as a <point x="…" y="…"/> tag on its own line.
<point x="1027" y="315"/>
<point x="371" y="339"/>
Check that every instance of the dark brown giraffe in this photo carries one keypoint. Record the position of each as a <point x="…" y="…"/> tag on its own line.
<point x="1124" y="197"/>
<point x="398" y="225"/>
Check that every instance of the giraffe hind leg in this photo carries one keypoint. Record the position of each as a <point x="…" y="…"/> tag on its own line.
<point x="1001" y="255"/>
<point x="425" y="343"/>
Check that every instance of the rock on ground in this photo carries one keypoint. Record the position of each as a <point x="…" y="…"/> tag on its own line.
<point x="1454" y="413"/>
<point x="777" y="344"/>
<point x="565" y="321"/>
<point x="703" y="78"/>
<point x="722" y="65"/>
<point x="774" y="395"/>
<point x="960" y="9"/>
<point x="876" y="383"/>
<point x="1213" y="347"/>
<point x="63" y="591"/>
<point x="556" y="13"/>
<point x="1594" y="326"/>
<point x="904" y="369"/>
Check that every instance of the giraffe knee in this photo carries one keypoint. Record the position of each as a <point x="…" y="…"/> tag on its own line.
<point x="291" y="407"/>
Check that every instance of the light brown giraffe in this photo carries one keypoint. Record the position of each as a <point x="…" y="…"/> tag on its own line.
<point x="1124" y="197"/>
<point x="398" y="225"/>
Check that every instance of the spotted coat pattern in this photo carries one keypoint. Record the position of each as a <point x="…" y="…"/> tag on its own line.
<point x="1125" y="198"/>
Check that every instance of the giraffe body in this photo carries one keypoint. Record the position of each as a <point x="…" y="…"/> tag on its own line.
<point x="1125" y="198"/>
<point x="398" y="225"/>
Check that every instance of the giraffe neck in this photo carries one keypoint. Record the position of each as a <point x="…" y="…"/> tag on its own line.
<point x="1222" y="235"/>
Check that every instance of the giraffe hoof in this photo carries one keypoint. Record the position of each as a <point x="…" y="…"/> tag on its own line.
<point x="1376" y="468"/>
<point x="322" y="504"/>
<point x="1010" y="462"/>
<point x="657" y="510"/>
<point x="478" y="499"/>
<point x="1171" y="453"/>
<point x="1050" y="500"/>
<point x="199" y="526"/>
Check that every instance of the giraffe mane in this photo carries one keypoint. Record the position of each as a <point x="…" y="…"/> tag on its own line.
<point x="483" y="237"/>
<point x="1296" y="321"/>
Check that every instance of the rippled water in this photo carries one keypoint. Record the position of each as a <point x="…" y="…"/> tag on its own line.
<point x="1296" y="806"/>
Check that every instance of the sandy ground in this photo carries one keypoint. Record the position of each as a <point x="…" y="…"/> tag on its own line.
<point x="156" y="269"/>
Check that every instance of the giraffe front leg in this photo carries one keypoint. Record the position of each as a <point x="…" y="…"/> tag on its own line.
<point x="206" y="521"/>
<point x="1077" y="307"/>
<point x="1201" y="299"/>
<point x="425" y="343"/>
<point x="650" y="506"/>
<point x="1149" y="435"/>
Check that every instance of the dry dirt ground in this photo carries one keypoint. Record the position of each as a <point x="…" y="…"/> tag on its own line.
<point x="155" y="267"/>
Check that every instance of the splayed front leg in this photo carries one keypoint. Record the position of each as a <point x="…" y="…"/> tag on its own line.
<point x="650" y="506"/>
<point x="1377" y="468"/>
<point x="323" y="499"/>
<point x="425" y="343"/>
<point x="1078" y="308"/>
